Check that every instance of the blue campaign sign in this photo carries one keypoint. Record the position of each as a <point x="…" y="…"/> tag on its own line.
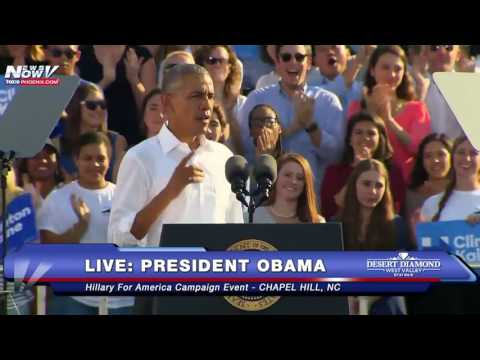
<point x="21" y="224"/>
<point x="7" y="92"/>
<point x="458" y="237"/>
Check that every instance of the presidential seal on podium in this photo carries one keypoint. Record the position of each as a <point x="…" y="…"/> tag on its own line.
<point x="252" y="303"/>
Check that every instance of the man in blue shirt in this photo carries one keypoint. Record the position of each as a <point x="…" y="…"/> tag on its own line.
<point x="311" y="117"/>
<point x="336" y="71"/>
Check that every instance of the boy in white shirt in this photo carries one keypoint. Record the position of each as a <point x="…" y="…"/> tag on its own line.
<point x="79" y="213"/>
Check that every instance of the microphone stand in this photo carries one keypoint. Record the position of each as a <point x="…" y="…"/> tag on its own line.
<point x="263" y="188"/>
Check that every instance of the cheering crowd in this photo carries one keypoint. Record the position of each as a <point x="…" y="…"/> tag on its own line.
<point x="361" y="134"/>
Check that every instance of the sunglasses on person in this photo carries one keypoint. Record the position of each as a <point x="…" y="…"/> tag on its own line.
<point x="435" y="48"/>
<point x="69" y="53"/>
<point x="94" y="104"/>
<point x="268" y="122"/>
<point x="286" y="57"/>
<point x="213" y="60"/>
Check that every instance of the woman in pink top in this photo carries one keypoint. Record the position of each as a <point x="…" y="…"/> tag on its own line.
<point x="389" y="93"/>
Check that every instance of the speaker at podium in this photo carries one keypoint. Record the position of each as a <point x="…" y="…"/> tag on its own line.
<point x="251" y="237"/>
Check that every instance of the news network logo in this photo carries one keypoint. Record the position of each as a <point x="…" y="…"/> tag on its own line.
<point x="31" y="75"/>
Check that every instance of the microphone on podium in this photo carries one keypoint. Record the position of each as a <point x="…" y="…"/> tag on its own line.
<point x="264" y="174"/>
<point x="236" y="172"/>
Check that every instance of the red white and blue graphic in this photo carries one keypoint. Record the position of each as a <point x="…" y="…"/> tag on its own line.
<point x="31" y="75"/>
<point x="105" y="269"/>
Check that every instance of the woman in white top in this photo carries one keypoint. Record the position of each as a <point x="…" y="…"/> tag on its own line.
<point x="79" y="213"/>
<point x="293" y="199"/>
<point x="223" y="66"/>
<point x="460" y="201"/>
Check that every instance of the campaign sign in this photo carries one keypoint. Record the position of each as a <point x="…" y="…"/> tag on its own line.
<point x="7" y="92"/>
<point x="21" y="225"/>
<point x="457" y="237"/>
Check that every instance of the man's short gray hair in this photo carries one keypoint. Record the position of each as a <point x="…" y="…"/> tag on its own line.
<point x="174" y="77"/>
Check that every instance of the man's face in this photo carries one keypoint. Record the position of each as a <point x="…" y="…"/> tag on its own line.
<point x="66" y="56"/>
<point x="331" y="59"/>
<point x="293" y="65"/>
<point x="189" y="108"/>
<point x="441" y="57"/>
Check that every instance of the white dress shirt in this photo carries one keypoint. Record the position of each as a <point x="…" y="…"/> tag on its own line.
<point x="145" y="171"/>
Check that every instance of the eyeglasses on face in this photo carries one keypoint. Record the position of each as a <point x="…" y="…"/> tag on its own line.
<point x="213" y="60"/>
<point x="69" y="53"/>
<point x="94" y="104"/>
<point x="268" y="122"/>
<point x="286" y="57"/>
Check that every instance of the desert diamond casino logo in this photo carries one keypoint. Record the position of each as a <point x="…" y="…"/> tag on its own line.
<point x="404" y="265"/>
<point x="31" y="75"/>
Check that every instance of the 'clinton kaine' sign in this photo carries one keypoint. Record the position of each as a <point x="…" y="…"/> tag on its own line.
<point x="458" y="237"/>
<point x="21" y="225"/>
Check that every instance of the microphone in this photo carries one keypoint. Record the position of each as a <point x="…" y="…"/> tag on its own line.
<point x="236" y="172"/>
<point x="265" y="174"/>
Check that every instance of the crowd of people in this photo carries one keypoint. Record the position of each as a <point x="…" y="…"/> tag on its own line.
<point x="361" y="134"/>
